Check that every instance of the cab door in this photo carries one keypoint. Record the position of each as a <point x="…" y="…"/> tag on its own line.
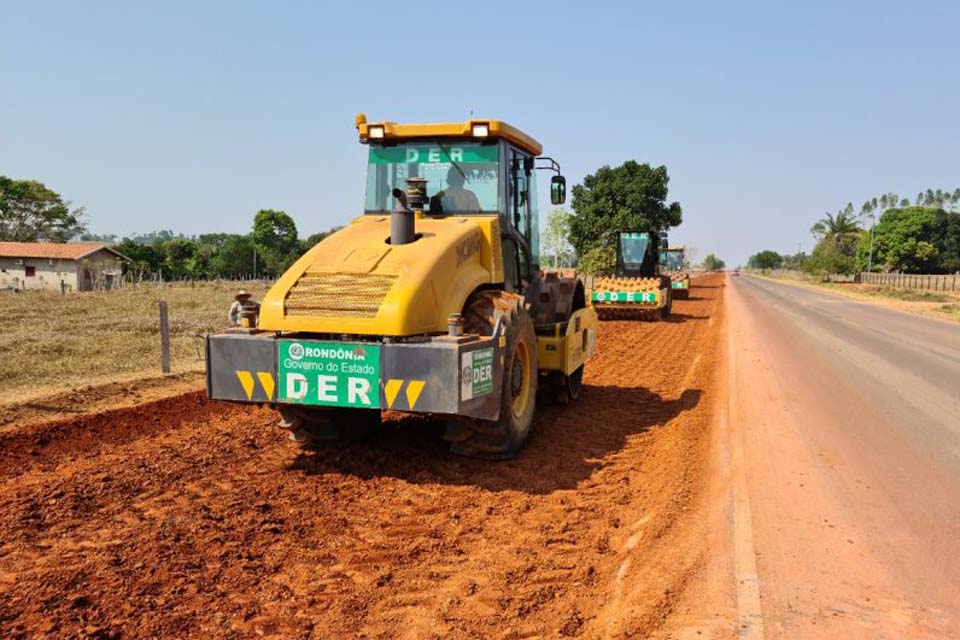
<point x="521" y="239"/>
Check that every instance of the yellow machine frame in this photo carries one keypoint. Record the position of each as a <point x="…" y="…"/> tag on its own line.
<point x="390" y="309"/>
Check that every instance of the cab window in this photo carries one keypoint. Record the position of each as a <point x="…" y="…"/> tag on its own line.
<point x="633" y="248"/>
<point x="461" y="177"/>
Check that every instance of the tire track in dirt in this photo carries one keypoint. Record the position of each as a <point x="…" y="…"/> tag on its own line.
<point x="183" y="517"/>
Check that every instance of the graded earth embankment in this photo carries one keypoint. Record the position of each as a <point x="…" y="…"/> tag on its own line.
<point x="184" y="518"/>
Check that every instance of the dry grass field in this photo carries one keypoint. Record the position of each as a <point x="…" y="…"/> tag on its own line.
<point x="52" y="343"/>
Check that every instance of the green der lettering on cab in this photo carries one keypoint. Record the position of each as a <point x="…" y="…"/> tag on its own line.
<point x="333" y="374"/>
<point x="434" y="154"/>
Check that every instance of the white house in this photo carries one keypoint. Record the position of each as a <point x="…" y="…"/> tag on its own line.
<point x="80" y="266"/>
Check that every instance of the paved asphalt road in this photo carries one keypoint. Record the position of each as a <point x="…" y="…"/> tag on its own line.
<point x="846" y="417"/>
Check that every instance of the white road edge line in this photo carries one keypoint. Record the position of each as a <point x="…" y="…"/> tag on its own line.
<point x="749" y="613"/>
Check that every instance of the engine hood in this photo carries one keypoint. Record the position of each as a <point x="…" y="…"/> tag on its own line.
<point x="356" y="282"/>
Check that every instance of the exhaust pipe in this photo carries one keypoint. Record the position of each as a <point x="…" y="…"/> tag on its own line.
<point x="409" y="207"/>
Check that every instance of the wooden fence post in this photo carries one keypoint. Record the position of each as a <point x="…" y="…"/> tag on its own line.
<point x="164" y="338"/>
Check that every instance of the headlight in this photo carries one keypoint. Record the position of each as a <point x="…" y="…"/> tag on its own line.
<point x="375" y="131"/>
<point x="481" y="130"/>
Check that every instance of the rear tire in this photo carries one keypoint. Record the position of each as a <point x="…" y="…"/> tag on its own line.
<point x="505" y="437"/>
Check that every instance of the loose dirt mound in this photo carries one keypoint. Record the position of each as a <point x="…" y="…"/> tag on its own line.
<point x="186" y="518"/>
<point x="98" y="398"/>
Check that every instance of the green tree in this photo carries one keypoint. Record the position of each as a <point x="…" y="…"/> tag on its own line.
<point x="29" y="212"/>
<point x="97" y="237"/>
<point x="315" y="238"/>
<point x="713" y="263"/>
<point x="905" y="240"/>
<point x="234" y="257"/>
<point x="275" y="237"/>
<point x="628" y="198"/>
<point x="765" y="260"/>
<point x="837" y="238"/>
<point x="948" y="231"/>
<point x="178" y="256"/>
<point x="157" y="237"/>
<point x="598" y="261"/>
<point x="554" y="241"/>
<point x="208" y="247"/>
<point x="834" y="254"/>
<point x="794" y="262"/>
<point x="145" y="259"/>
<point x="839" y="226"/>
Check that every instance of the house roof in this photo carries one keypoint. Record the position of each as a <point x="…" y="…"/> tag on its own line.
<point x="55" y="250"/>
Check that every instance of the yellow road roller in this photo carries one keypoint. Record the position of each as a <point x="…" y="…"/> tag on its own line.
<point x="430" y="302"/>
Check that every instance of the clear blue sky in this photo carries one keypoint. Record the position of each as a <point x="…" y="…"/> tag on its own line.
<point x="191" y="116"/>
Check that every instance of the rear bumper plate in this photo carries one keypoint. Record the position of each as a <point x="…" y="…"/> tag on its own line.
<point x="440" y="376"/>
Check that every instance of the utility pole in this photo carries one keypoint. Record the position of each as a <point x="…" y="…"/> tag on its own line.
<point x="254" y="263"/>
<point x="870" y="253"/>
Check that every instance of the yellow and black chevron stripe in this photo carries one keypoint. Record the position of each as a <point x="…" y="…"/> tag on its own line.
<point x="412" y="390"/>
<point x="266" y="381"/>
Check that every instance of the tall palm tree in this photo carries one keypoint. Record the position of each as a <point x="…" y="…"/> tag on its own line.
<point x="838" y="226"/>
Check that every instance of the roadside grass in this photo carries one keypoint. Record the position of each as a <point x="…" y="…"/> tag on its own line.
<point x="912" y="300"/>
<point x="910" y="295"/>
<point x="53" y="342"/>
<point x="951" y="311"/>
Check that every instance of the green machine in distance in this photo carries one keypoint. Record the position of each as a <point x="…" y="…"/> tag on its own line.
<point x="673" y="264"/>
<point x="637" y="289"/>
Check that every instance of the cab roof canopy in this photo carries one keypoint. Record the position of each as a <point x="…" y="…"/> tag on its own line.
<point x="474" y="128"/>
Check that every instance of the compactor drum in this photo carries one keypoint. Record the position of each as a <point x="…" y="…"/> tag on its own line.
<point x="432" y="302"/>
<point x="635" y="292"/>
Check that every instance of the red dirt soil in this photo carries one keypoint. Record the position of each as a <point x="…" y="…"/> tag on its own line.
<point x="184" y="518"/>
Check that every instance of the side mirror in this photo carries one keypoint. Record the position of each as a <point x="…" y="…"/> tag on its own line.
<point x="558" y="190"/>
